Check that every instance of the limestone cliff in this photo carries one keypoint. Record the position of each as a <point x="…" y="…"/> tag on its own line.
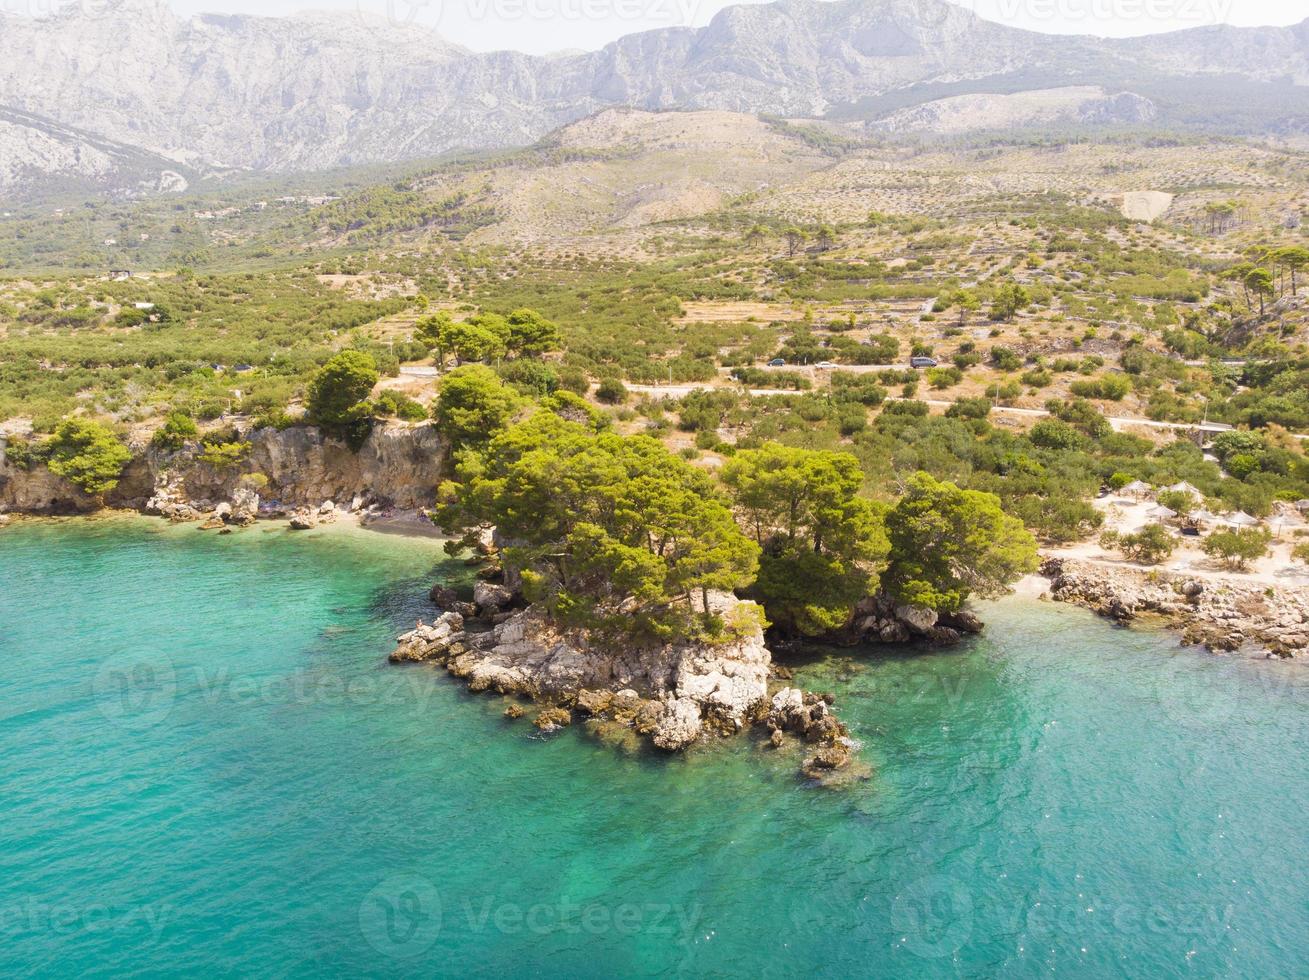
<point x="399" y="465"/>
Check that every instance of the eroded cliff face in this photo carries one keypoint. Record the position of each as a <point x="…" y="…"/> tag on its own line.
<point x="36" y="490"/>
<point x="399" y="465"/>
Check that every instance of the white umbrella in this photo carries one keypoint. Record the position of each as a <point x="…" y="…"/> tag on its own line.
<point x="1185" y="487"/>
<point x="1137" y="488"/>
<point x="1204" y="517"/>
<point x="1284" y="518"/>
<point x="1242" y="519"/>
<point x="1162" y="512"/>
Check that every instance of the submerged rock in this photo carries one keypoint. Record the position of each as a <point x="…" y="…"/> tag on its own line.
<point x="448" y="600"/>
<point x="553" y="719"/>
<point x="443" y="596"/>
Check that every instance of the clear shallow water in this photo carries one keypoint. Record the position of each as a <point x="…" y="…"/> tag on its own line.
<point x="206" y="767"/>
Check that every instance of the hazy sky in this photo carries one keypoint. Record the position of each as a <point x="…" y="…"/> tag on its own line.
<point x="541" y="26"/>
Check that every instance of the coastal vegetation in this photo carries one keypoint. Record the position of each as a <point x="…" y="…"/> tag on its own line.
<point x="1237" y="547"/>
<point x="823" y="546"/>
<point x="611" y="532"/>
<point x="84" y="452"/>
<point x="763" y="345"/>
<point x="616" y="533"/>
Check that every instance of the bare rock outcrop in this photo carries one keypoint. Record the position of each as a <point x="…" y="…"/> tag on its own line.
<point x="1222" y="615"/>
<point x="831" y="754"/>
<point x="399" y="465"/>
<point x="675" y="693"/>
<point x="33" y="489"/>
<point x="878" y="619"/>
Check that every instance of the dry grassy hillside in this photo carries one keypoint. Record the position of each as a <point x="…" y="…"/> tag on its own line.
<point x="623" y="169"/>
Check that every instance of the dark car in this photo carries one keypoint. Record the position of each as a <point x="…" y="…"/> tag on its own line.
<point x="922" y="362"/>
<point x="777" y="362"/>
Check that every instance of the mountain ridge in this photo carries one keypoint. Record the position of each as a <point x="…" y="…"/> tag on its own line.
<point x="317" y="90"/>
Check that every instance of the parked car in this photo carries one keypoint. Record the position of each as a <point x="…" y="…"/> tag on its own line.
<point x="777" y="362"/>
<point x="922" y="362"/>
<point x="825" y="366"/>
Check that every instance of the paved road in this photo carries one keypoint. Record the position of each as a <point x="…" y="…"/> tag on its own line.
<point x="809" y="369"/>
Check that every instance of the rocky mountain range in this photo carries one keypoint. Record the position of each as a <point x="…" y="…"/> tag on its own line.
<point x="131" y="96"/>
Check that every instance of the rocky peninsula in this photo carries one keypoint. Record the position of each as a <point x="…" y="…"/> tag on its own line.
<point x="1221" y="615"/>
<point x="675" y="695"/>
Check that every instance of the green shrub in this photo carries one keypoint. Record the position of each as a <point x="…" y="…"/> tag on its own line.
<point x="1237" y="547"/>
<point x="611" y="391"/>
<point x="87" y="454"/>
<point x="396" y="404"/>
<point x="178" y="427"/>
<point x="223" y="455"/>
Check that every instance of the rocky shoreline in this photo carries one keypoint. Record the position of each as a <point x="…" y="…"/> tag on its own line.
<point x="297" y="474"/>
<point x="281" y="472"/>
<point x="1223" y="616"/>
<point x="675" y="695"/>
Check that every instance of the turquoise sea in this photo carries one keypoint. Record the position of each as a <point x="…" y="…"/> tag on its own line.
<point x="207" y="768"/>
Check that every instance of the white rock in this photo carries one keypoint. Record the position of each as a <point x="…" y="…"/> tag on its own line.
<point x="679" y="726"/>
